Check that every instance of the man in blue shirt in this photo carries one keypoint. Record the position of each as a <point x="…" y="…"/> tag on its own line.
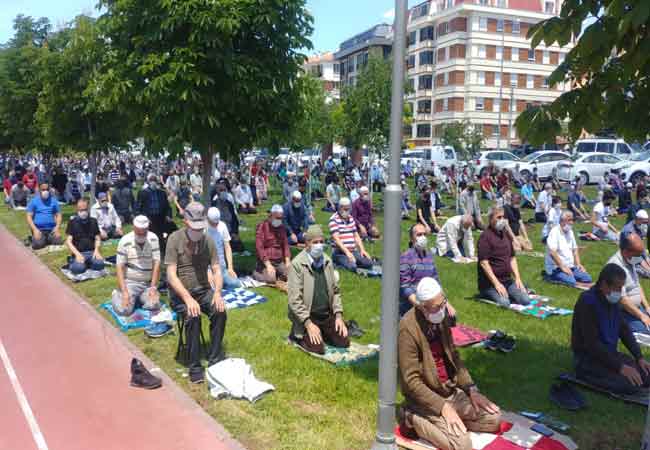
<point x="574" y="203"/>
<point x="44" y="219"/>
<point x="528" y="196"/>
<point x="296" y="219"/>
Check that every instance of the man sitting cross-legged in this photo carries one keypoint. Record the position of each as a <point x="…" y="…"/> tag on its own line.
<point x="109" y="222"/>
<point x="562" y="260"/>
<point x="597" y="326"/>
<point x="272" y="247"/>
<point x="296" y="219"/>
<point x="347" y="248"/>
<point x="315" y="308"/>
<point x="441" y="402"/>
<point x="44" y="219"/>
<point x="362" y="213"/>
<point x="84" y="241"/>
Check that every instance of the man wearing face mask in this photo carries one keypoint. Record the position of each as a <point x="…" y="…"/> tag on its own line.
<point x="315" y="307"/>
<point x="289" y="187"/>
<point x="347" y="247"/>
<point x="639" y="226"/>
<point x="44" y="219"/>
<point x="597" y="326"/>
<point x="470" y="205"/>
<point x="362" y="213"/>
<point x="138" y="270"/>
<point x="296" y="219"/>
<point x="84" y="241"/>
<point x="110" y="225"/>
<point x="455" y="239"/>
<point x="441" y="402"/>
<point x="498" y="273"/>
<point x="636" y="310"/>
<point x="272" y="247"/>
<point x="543" y="204"/>
<point x="189" y="255"/>
<point x="154" y="204"/>
<point x="602" y="228"/>
<point x="123" y="200"/>
<point x="218" y="231"/>
<point x="552" y="217"/>
<point x="562" y="260"/>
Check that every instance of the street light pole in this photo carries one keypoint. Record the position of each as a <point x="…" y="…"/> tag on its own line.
<point x="385" y="437"/>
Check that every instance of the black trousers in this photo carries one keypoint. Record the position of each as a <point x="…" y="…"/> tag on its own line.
<point x="593" y="372"/>
<point x="193" y="328"/>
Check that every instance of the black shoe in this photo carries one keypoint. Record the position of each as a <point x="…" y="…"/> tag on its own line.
<point x="494" y="340"/>
<point x="567" y="397"/>
<point x="507" y="344"/>
<point x="197" y="377"/>
<point x="141" y="377"/>
<point x="354" y="330"/>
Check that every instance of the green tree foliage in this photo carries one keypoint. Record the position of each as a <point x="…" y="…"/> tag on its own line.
<point x="608" y="69"/>
<point x="466" y="139"/>
<point x="214" y="74"/>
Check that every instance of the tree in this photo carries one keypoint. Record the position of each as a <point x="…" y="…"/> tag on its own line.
<point x="608" y="69"/>
<point x="466" y="138"/>
<point x="207" y="73"/>
<point x="71" y="111"/>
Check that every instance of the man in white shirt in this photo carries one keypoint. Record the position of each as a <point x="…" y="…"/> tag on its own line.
<point x="455" y="239"/>
<point x="110" y="225"/>
<point x="562" y="260"/>
<point x="244" y="197"/>
<point x="543" y="203"/>
<point x="196" y="182"/>
<point x="173" y="183"/>
<point x="552" y="217"/>
<point x="220" y="235"/>
<point x="600" y="219"/>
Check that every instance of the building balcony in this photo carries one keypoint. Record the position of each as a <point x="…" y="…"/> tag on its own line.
<point x="423" y="116"/>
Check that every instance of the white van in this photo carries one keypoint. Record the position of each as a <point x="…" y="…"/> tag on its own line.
<point x="438" y="155"/>
<point x="612" y="146"/>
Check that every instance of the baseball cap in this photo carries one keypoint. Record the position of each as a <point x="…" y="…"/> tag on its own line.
<point x="196" y="216"/>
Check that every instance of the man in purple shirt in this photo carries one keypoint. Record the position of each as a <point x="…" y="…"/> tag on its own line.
<point x="362" y="213"/>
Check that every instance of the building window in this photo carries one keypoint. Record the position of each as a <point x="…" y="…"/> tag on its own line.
<point x="426" y="58"/>
<point x="482" y="24"/>
<point x="351" y="66"/>
<point x="425" y="82"/>
<point x="497" y="79"/>
<point x="337" y="69"/>
<point x="545" y="83"/>
<point x="419" y="11"/>
<point x="424" y="130"/>
<point x="410" y="62"/>
<point x="513" y="80"/>
<point x="496" y="106"/>
<point x="514" y="52"/>
<point x="531" y="55"/>
<point x="560" y="57"/>
<point x="444" y="28"/>
<point x="495" y="130"/>
<point x="445" y="104"/>
<point x="426" y="34"/>
<point x="445" y="78"/>
<point x="516" y="26"/>
<point x="410" y="41"/>
<point x="480" y="78"/>
<point x="450" y="4"/>
<point x="499" y="25"/>
<point x="424" y="107"/>
<point x="499" y="53"/>
<point x="479" y="51"/>
<point x="530" y="81"/>
<point x="479" y="104"/>
<point x="484" y="2"/>
<point x="365" y="59"/>
<point x="501" y="3"/>
<point x="546" y="58"/>
<point x="411" y="84"/>
<point x="549" y="7"/>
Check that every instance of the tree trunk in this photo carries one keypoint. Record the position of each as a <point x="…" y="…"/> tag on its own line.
<point x="92" y="162"/>
<point x="327" y="150"/>
<point x="207" y="158"/>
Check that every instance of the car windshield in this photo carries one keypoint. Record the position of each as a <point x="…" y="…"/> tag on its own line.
<point x="640" y="156"/>
<point x="530" y="157"/>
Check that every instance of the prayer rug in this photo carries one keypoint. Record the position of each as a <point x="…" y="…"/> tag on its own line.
<point x="341" y="357"/>
<point x="49" y="249"/>
<point x="87" y="275"/>
<point x="465" y="336"/>
<point x="531" y="254"/>
<point x="141" y="318"/>
<point x="579" y="286"/>
<point x="241" y="298"/>
<point x="643" y="339"/>
<point x="536" y="308"/>
<point x="513" y="428"/>
<point x="640" y="399"/>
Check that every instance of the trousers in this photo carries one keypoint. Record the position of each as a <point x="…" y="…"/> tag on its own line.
<point x="515" y="295"/>
<point x="593" y="372"/>
<point x="328" y="333"/>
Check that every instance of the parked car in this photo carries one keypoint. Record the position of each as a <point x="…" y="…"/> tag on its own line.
<point x="612" y="146"/>
<point x="590" y="167"/>
<point x="499" y="158"/>
<point x="439" y="156"/>
<point x="638" y="166"/>
<point x="544" y="161"/>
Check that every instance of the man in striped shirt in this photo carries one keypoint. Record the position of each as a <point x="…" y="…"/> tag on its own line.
<point x="347" y="247"/>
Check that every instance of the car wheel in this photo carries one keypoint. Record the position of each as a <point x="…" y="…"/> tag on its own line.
<point x="636" y="176"/>
<point x="584" y="178"/>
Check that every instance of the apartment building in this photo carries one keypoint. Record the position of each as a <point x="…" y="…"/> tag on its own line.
<point x="325" y="68"/>
<point x="353" y="53"/>
<point x="470" y="60"/>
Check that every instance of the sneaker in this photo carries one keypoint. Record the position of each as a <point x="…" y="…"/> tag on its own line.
<point x="159" y="329"/>
<point x="197" y="377"/>
<point x="141" y="377"/>
<point x="507" y="344"/>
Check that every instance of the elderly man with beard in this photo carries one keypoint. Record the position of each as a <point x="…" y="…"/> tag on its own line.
<point x="272" y="247"/>
<point x="362" y="213"/>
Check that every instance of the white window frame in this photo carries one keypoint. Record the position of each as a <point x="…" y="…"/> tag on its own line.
<point x="482" y="51"/>
<point x="514" y="80"/>
<point x="531" y="55"/>
<point x="549" y="2"/>
<point x="497" y="78"/>
<point x="497" y="128"/>
<point x="480" y="78"/>
<point x="445" y="104"/>
<point x="499" y="25"/>
<point x="516" y="26"/>
<point x="445" y="78"/>
<point x="530" y="81"/>
<point x="560" y="57"/>
<point x="482" y="23"/>
<point x="496" y="105"/>
<point x="499" y="54"/>
<point x="545" y="83"/>
<point x="479" y="104"/>
<point x="546" y="58"/>
<point x="514" y="52"/>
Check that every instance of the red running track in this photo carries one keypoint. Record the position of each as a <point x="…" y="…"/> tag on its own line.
<point x="72" y="370"/>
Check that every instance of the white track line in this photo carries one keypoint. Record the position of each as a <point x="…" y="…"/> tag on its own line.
<point x="22" y="399"/>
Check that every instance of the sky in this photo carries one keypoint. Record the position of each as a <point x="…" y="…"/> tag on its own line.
<point x="334" y="20"/>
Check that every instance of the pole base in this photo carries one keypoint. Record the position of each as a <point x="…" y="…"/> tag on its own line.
<point x="383" y="446"/>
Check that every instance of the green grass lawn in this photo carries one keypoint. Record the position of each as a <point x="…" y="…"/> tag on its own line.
<point x="317" y="406"/>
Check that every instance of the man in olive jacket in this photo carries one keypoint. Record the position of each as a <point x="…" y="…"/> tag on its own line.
<point x="442" y="403"/>
<point x="315" y="308"/>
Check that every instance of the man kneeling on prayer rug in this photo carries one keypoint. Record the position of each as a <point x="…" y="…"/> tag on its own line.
<point x="442" y="403"/>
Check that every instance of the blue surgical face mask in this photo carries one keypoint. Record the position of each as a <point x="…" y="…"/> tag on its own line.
<point x="614" y="297"/>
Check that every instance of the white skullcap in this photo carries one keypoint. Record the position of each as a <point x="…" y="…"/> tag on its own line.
<point x="642" y="214"/>
<point x="428" y="288"/>
<point x="141" y="222"/>
<point x="297" y="195"/>
<point x="628" y="184"/>
<point x="363" y="189"/>
<point x="277" y="209"/>
<point x="214" y="215"/>
<point x="344" y="202"/>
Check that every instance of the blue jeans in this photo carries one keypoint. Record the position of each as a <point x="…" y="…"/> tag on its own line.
<point x="635" y="324"/>
<point x="340" y="259"/>
<point x="91" y="263"/>
<point x="606" y="236"/>
<point x="229" y="282"/>
<point x="515" y="295"/>
<point x="578" y="277"/>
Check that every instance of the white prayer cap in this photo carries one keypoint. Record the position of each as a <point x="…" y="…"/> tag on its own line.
<point x="642" y="214"/>
<point x="214" y="215"/>
<point x="344" y="202"/>
<point x="276" y="209"/>
<point x="297" y="195"/>
<point x="363" y="189"/>
<point x="141" y="222"/>
<point x="428" y="289"/>
<point x="628" y="184"/>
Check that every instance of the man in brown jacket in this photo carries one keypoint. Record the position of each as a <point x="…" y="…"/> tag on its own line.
<point x="442" y="403"/>
<point x="315" y="308"/>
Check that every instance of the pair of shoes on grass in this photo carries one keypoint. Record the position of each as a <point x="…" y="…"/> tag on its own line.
<point x="500" y="341"/>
